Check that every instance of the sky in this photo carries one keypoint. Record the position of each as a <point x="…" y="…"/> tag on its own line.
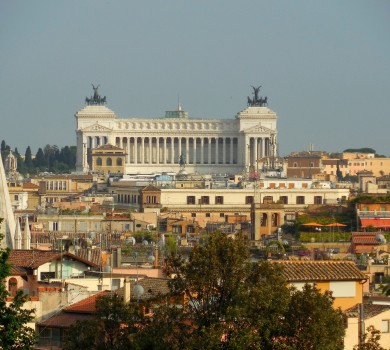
<point x="323" y="65"/>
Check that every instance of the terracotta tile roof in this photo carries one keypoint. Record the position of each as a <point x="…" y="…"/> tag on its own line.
<point x="151" y="188"/>
<point x="32" y="259"/>
<point x="369" y="310"/>
<point x="365" y="234"/>
<point x="87" y="305"/>
<point x="365" y="240"/>
<point x="17" y="271"/>
<point x="27" y="185"/>
<point x="92" y="255"/>
<point x="65" y="320"/>
<point x="305" y="271"/>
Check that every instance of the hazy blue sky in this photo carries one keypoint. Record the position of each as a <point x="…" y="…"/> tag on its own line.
<point x="324" y="65"/>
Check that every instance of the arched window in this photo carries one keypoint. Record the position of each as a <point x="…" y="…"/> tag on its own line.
<point x="119" y="161"/>
<point x="99" y="161"/>
<point x="295" y="165"/>
<point x="109" y="162"/>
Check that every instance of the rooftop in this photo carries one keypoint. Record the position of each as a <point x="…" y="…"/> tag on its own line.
<point x="309" y="271"/>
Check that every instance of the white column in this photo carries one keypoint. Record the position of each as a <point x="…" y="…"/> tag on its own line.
<point x="172" y="151"/>
<point x="150" y="150"/>
<point x="136" y="154"/>
<point x="216" y="150"/>
<point x="247" y="151"/>
<point x="231" y="150"/>
<point x="128" y="150"/>
<point x="142" y="150"/>
<point x="209" y="150"/>
<point x="224" y="150"/>
<point x="194" y="150"/>
<point x="179" y="138"/>
<point x="201" y="150"/>
<point x="158" y="150"/>
<point x="165" y="151"/>
<point x="187" y="150"/>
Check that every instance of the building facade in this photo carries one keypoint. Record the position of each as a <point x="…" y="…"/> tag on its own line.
<point x="166" y="144"/>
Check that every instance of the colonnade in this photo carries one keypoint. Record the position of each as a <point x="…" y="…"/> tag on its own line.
<point x="168" y="150"/>
<point x="259" y="147"/>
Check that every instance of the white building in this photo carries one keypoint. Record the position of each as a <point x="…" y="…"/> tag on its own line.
<point x="165" y="144"/>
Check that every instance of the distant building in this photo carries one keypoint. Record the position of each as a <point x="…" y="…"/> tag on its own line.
<point x="108" y="159"/>
<point x="303" y="165"/>
<point x="158" y="144"/>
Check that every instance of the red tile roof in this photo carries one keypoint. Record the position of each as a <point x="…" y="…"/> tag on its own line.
<point x="306" y="271"/>
<point x="369" y="310"/>
<point x="365" y="240"/>
<point x="32" y="259"/>
<point x="87" y="305"/>
<point x="65" y="320"/>
<point x="27" y="185"/>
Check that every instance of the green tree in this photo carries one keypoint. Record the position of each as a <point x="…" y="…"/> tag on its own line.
<point x="236" y="304"/>
<point x="113" y="328"/>
<point x="4" y="150"/>
<point x="370" y="340"/>
<point x="231" y="303"/>
<point x="39" y="160"/>
<point x="14" y="334"/>
<point x="28" y="162"/>
<point x="326" y="332"/>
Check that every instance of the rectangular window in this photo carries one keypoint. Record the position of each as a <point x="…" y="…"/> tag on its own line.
<point x="193" y="215"/>
<point x="208" y="215"/>
<point x="68" y="226"/>
<point x="82" y="226"/>
<point x="385" y="326"/>
<point x="317" y="199"/>
<point x="218" y="199"/>
<point x="300" y="199"/>
<point x="190" y="199"/>
<point x="343" y="289"/>
<point x="248" y="199"/>
<point x="205" y="200"/>
<point x="221" y="215"/>
<point x="283" y="199"/>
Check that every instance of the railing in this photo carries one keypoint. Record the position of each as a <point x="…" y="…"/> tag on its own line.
<point x="374" y="213"/>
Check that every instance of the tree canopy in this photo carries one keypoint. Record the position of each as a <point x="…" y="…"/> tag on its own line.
<point x="14" y="334"/>
<point x="230" y="303"/>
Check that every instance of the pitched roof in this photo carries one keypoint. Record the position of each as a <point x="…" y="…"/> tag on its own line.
<point x="307" y="271"/>
<point x="65" y="320"/>
<point x="369" y="310"/>
<point x="365" y="240"/>
<point x="32" y="259"/>
<point x="27" y="185"/>
<point x="87" y="305"/>
<point x="150" y="188"/>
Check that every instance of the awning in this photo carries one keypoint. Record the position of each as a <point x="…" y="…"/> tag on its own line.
<point x="376" y="222"/>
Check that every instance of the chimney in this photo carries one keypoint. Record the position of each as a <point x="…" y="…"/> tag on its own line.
<point x="127" y="290"/>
